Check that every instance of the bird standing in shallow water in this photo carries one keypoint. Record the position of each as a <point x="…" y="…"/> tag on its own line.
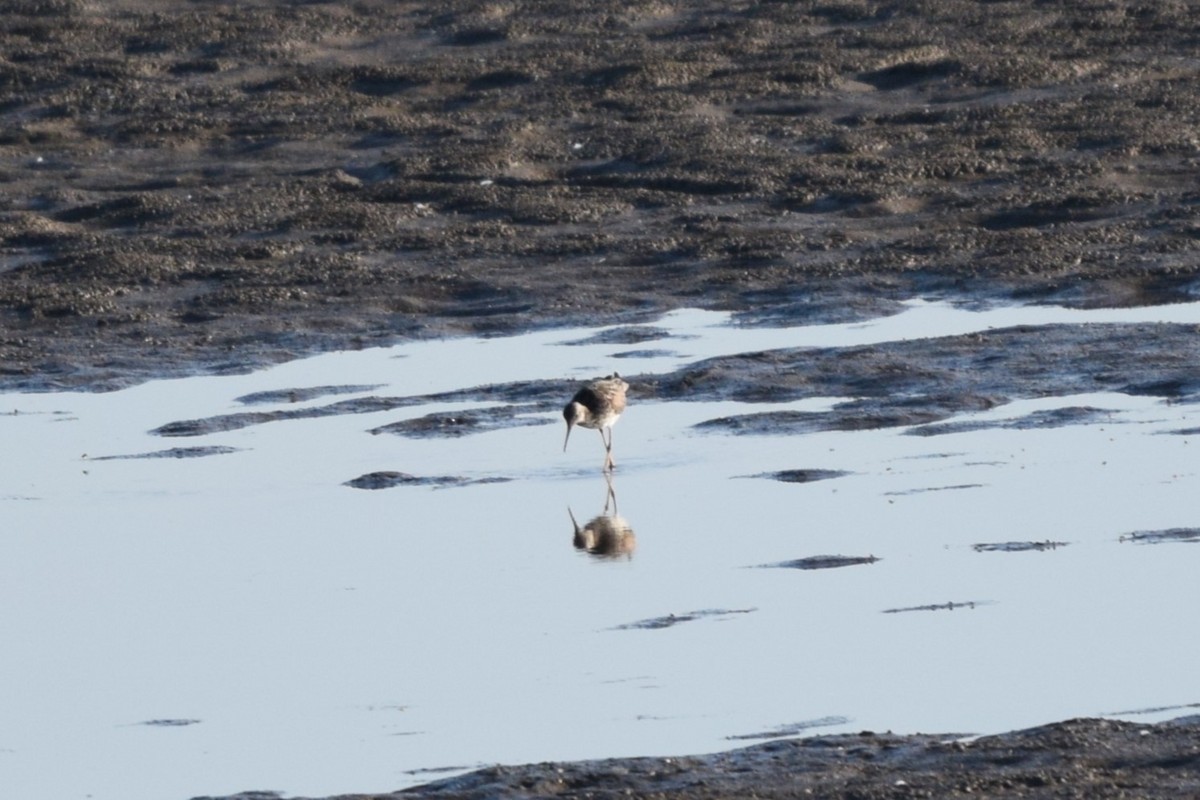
<point x="597" y="405"/>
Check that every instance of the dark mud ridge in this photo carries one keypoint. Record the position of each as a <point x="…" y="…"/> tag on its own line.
<point x="1085" y="758"/>
<point x="920" y="383"/>
<point x="212" y="189"/>
<point x="916" y="384"/>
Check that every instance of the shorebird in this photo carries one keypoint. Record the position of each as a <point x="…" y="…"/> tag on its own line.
<point x="597" y="405"/>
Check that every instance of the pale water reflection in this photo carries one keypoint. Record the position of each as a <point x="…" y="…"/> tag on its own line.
<point x="608" y="534"/>
<point x="242" y="619"/>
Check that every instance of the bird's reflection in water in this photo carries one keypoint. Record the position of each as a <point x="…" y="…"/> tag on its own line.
<point x="608" y="535"/>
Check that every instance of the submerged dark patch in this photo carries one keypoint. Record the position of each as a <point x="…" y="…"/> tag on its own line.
<point x="1016" y="547"/>
<point x="388" y="479"/>
<point x="918" y="383"/>
<point x="644" y="354"/>
<point x="1038" y="420"/>
<point x="1161" y="537"/>
<point x="794" y="729"/>
<point x="463" y="423"/>
<point x="657" y="623"/>
<point x="803" y="475"/>
<point x="303" y="394"/>
<point x="927" y="489"/>
<point x="175" y="452"/>
<point x="951" y="606"/>
<point x="625" y="334"/>
<point x="525" y="396"/>
<point x="1184" y="432"/>
<point x="821" y="562"/>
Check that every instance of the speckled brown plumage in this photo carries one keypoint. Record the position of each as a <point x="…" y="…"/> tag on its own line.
<point x="597" y="405"/>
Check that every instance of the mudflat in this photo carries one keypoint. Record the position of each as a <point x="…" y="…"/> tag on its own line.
<point x="196" y="188"/>
<point x="213" y="187"/>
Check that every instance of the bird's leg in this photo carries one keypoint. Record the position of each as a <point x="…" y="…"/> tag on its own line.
<point x="608" y="459"/>
<point x="611" y="497"/>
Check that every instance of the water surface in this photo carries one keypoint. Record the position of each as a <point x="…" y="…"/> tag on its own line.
<point x="180" y="626"/>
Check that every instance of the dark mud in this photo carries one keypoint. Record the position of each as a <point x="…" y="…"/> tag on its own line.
<point x="925" y="489"/>
<point x="463" y="422"/>
<point x="302" y="395"/>
<point x="170" y="723"/>
<point x="951" y="606"/>
<point x="1082" y="758"/>
<point x="390" y="479"/>
<point x="793" y="729"/>
<point x="625" y="334"/>
<point x="821" y="562"/>
<point x="211" y="188"/>
<point x="911" y="383"/>
<point x="670" y="620"/>
<point x="1053" y="418"/>
<point x="918" y="382"/>
<point x="537" y="397"/>
<point x="1159" y="537"/>
<point x="803" y="475"/>
<point x="174" y="452"/>
<point x="1017" y="547"/>
<point x="1184" y="432"/>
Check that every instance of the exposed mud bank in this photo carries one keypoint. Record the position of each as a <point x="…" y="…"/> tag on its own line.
<point x="215" y="189"/>
<point x="910" y="383"/>
<point x="1086" y="758"/>
<point x="921" y="382"/>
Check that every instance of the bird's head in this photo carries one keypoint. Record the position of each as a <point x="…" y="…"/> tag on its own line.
<point x="573" y="413"/>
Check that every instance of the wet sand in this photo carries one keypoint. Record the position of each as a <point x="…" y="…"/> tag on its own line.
<point x="214" y="188"/>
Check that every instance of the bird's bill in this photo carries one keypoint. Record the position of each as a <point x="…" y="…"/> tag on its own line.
<point x="568" y="437"/>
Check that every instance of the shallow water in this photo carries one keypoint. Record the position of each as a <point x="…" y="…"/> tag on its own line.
<point x="245" y="620"/>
